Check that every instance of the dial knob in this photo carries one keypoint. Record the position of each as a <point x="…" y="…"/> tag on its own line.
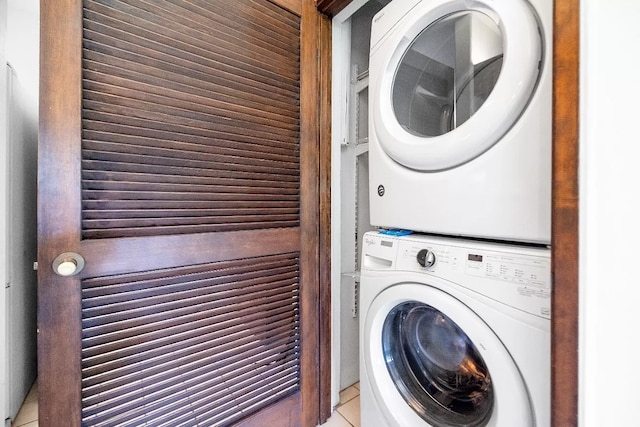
<point x="426" y="258"/>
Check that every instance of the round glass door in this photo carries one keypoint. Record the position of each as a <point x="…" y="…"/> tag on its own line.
<point x="451" y="79"/>
<point x="435" y="367"/>
<point x="447" y="73"/>
<point x="429" y="359"/>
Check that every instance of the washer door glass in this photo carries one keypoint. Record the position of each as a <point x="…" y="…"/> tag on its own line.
<point x="436" y="367"/>
<point x="447" y="73"/>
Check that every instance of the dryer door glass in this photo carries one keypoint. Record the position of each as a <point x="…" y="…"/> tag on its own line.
<point x="435" y="367"/>
<point x="447" y="73"/>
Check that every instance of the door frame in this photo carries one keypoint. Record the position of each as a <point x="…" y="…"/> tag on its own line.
<point x="565" y="200"/>
<point x="565" y="214"/>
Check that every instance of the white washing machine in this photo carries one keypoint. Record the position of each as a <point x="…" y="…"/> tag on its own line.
<point x="460" y="118"/>
<point x="454" y="333"/>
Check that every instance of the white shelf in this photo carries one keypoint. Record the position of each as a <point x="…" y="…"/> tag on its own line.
<point x="352" y="274"/>
<point x="362" y="147"/>
<point x="362" y="81"/>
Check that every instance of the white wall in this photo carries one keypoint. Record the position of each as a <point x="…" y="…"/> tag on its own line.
<point x="4" y="401"/>
<point x="21" y="290"/>
<point x="610" y="212"/>
<point x="19" y="114"/>
<point x="23" y="44"/>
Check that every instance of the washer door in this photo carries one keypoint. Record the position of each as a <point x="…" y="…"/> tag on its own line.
<point x="432" y="361"/>
<point x="451" y="78"/>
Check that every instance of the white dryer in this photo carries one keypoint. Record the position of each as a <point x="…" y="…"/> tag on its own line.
<point x="453" y="333"/>
<point x="460" y="118"/>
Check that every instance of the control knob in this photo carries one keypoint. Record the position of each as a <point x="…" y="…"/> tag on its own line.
<point x="426" y="258"/>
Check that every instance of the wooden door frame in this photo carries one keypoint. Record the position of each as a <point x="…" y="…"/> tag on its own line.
<point x="565" y="197"/>
<point x="565" y="239"/>
<point x="324" y="320"/>
<point x="59" y="121"/>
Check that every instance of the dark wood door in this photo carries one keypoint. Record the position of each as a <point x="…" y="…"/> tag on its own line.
<point x="178" y="158"/>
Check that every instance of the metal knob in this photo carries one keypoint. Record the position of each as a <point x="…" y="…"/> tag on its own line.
<point x="68" y="264"/>
<point x="426" y="258"/>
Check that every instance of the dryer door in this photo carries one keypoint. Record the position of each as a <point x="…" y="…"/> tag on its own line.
<point x="433" y="362"/>
<point x="451" y="78"/>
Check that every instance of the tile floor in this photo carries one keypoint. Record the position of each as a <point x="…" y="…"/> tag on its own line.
<point x="346" y="414"/>
<point x="28" y="413"/>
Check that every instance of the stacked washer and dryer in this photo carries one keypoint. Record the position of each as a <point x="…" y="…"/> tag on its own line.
<point x="455" y="316"/>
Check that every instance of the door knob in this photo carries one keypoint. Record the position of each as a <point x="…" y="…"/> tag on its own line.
<point x="68" y="264"/>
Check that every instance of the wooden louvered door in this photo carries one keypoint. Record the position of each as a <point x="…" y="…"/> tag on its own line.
<point x="178" y="158"/>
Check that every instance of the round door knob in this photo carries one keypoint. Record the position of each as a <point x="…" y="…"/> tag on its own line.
<point x="68" y="264"/>
<point x="426" y="258"/>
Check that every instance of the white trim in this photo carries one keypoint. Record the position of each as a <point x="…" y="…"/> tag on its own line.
<point x="341" y="45"/>
<point x="4" y="371"/>
<point x="4" y="354"/>
<point x="345" y="14"/>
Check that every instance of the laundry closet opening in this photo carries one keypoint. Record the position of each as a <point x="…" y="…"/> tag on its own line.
<point x="439" y="126"/>
<point x="350" y="180"/>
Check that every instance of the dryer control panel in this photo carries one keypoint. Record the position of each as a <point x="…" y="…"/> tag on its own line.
<point x="518" y="276"/>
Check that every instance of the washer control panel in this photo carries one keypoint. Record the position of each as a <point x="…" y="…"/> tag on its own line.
<point x="519" y="276"/>
<point x="524" y="271"/>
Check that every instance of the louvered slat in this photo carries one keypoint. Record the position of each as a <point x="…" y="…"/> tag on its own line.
<point x="197" y="344"/>
<point x="185" y="105"/>
<point x="133" y="125"/>
<point x="227" y="194"/>
<point x="103" y="24"/>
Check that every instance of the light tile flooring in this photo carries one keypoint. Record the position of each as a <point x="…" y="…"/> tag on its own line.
<point x="347" y="413"/>
<point x="28" y="413"/>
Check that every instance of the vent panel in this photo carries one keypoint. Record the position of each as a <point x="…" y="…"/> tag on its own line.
<point x="190" y="117"/>
<point x="200" y="345"/>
